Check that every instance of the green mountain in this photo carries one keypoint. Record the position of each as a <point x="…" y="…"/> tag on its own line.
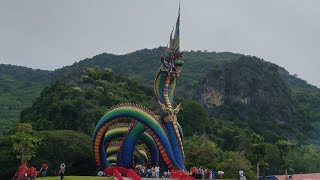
<point x="230" y="101"/>
<point x="298" y="105"/>
<point x="251" y="93"/>
<point x="19" y="86"/>
<point x="80" y="99"/>
<point x="142" y="66"/>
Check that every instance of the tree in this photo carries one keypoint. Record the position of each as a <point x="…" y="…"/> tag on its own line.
<point x="193" y="118"/>
<point x="285" y="147"/>
<point x="272" y="158"/>
<point x="200" y="151"/>
<point x="8" y="162"/>
<point x="24" y="142"/>
<point x="306" y="159"/>
<point x="259" y="152"/>
<point x="233" y="162"/>
<point x="66" y="146"/>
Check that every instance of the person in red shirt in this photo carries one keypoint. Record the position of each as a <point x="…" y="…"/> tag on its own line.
<point x="193" y="171"/>
<point x="34" y="173"/>
<point x="43" y="170"/>
<point x="22" y="170"/>
<point x="31" y="173"/>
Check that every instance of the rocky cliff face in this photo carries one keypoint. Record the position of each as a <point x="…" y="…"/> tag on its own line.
<point x="251" y="92"/>
<point x="245" y="81"/>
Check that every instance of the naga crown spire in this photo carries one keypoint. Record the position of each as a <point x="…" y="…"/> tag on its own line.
<point x="173" y="58"/>
<point x="175" y="40"/>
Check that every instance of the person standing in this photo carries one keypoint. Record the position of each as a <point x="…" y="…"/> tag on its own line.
<point x="157" y="169"/>
<point x="153" y="172"/>
<point x="43" y="170"/>
<point x="143" y="171"/>
<point x="202" y="173"/>
<point x="62" y="171"/>
<point x="137" y="169"/>
<point x="32" y="173"/>
<point x="212" y="174"/>
<point x="241" y="174"/>
<point x="197" y="173"/>
<point x="149" y="171"/>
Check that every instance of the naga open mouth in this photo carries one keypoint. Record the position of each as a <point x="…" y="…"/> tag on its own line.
<point x="172" y="62"/>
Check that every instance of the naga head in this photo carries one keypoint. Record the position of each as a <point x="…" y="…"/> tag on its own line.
<point x="172" y="61"/>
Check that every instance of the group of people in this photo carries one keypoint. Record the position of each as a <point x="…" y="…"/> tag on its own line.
<point x="150" y="172"/>
<point x="205" y="173"/>
<point x="202" y="173"/>
<point x="31" y="173"/>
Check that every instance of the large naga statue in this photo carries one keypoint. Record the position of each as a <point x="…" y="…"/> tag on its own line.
<point x="130" y="134"/>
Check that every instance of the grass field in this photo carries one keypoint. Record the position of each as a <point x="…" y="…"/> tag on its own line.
<point x="77" y="178"/>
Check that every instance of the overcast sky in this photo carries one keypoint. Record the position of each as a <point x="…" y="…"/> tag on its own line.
<point x="50" y="34"/>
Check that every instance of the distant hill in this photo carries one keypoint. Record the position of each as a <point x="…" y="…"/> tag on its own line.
<point x="251" y="92"/>
<point x="80" y="99"/>
<point x="230" y="101"/>
<point x="19" y="86"/>
<point x="142" y="66"/>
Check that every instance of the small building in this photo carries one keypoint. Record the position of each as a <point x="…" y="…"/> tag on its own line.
<point x="312" y="176"/>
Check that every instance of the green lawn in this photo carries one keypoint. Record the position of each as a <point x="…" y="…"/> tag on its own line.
<point x="77" y="178"/>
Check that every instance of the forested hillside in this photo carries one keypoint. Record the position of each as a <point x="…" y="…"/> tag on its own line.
<point x="298" y="114"/>
<point x="251" y="93"/>
<point x="234" y="104"/>
<point x="19" y="86"/>
<point x="142" y="66"/>
<point x="79" y="100"/>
